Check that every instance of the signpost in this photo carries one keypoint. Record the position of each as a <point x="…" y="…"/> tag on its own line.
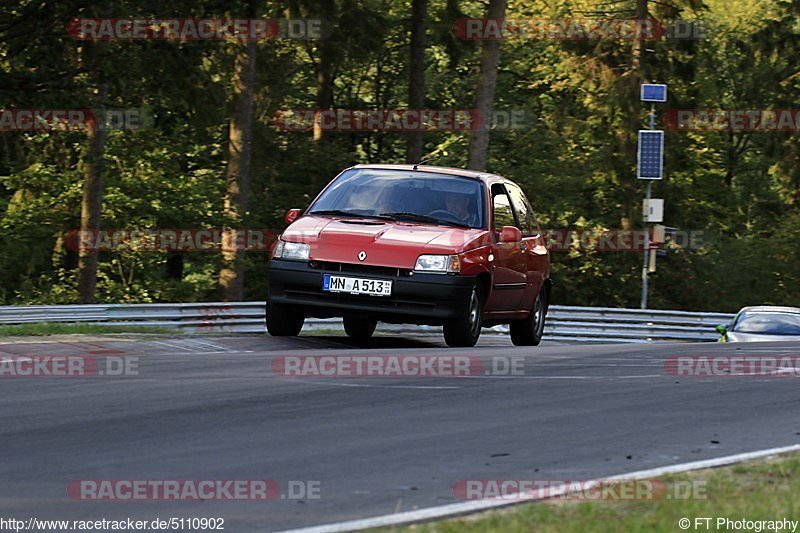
<point x="650" y="166"/>
<point x="653" y="92"/>
<point x="659" y="236"/>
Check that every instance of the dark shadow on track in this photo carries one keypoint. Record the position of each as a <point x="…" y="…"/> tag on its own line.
<point x="381" y="342"/>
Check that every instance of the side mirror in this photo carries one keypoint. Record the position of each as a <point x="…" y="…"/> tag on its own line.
<point x="292" y="215"/>
<point x="722" y="329"/>
<point x="510" y="234"/>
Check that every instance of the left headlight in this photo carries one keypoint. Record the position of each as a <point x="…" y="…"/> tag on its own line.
<point x="296" y="251"/>
<point x="438" y="263"/>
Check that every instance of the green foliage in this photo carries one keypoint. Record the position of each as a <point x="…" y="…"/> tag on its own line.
<point x="575" y="158"/>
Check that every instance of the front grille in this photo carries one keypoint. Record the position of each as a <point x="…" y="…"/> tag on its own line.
<point x="351" y="268"/>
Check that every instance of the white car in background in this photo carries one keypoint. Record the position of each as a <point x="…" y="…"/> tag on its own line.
<point x="762" y="323"/>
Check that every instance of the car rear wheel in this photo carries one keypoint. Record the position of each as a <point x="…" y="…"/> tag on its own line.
<point x="283" y="320"/>
<point x="359" y="328"/>
<point x="528" y="332"/>
<point x="465" y="330"/>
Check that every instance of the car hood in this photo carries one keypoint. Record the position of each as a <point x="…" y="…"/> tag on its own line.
<point x="734" y="336"/>
<point x="395" y="244"/>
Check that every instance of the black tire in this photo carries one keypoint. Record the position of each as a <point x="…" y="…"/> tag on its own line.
<point x="359" y="329"/>
<point x="464" y="331"/>
<point x="283" y="321"/>
<point x="528" y="332"/>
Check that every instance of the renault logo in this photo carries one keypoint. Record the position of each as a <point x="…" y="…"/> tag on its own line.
<point x="362" y="255"/>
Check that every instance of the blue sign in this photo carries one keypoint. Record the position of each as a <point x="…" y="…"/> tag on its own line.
<point x="650" y="161"/>
<point x="653" y="92"/>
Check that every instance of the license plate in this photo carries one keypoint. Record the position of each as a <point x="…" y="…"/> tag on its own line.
<point x="372" y="287"/>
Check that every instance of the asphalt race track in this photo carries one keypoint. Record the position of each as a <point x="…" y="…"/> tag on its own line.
<point x="211" y="408"/>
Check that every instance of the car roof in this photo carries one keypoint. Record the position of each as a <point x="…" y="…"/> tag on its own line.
<point x="474" y="174"/>
<point x="770" y="309"/>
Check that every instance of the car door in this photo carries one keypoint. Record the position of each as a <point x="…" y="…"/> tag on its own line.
<point x="510" y="263"/>
<point x="537" y="257"/>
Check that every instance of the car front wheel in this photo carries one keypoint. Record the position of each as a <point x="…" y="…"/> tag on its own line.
<point x="360" y="329"/>
<point x="529" y="331"/>
<point x="465" y="330"/>
<point x="283" y="321"/>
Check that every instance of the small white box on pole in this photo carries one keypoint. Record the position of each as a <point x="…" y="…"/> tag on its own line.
<point x="653" y="210"/>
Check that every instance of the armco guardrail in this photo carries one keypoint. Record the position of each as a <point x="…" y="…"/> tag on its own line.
<point x="631" y="325"/>
<point x="214" y="317"/>
<point x="563" y="322"/>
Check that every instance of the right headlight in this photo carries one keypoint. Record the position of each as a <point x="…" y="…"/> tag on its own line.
<point x="296" y="251"/>
<point x="438" y="263"/>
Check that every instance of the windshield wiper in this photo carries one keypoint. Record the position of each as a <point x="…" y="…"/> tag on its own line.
<point x="339" y="212"/>
<point x="416" y="217"/>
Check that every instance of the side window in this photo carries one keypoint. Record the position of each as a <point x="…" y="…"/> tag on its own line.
<point x="523" y="209"/>
<point x="503" y="215"/>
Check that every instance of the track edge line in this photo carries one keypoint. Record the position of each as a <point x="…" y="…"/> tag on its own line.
<point x="463" y="508"/>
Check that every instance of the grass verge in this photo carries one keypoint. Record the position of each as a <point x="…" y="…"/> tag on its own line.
<point x="754" y="491"/>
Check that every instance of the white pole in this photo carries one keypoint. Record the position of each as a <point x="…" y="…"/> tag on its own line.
<point x="646" y="262"/>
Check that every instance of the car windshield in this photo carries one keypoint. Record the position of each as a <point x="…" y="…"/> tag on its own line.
<point x="410" y="196"/>
<point x="769" y="323"/>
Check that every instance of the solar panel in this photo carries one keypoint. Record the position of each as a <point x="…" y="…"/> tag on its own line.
<point x="650" y="161"/>
<point x="653" y="92"/>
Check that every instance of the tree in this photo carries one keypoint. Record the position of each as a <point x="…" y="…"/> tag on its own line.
<point x="416" y="84"/>
<point x="237" y="193"/>
<point x="93" y="168"/>
<point x="485" y="90"/>
<point x="92" y="202"/>
<point x="324" y="68"/>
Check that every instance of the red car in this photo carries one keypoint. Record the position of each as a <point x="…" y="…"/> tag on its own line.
<point x="413" y="244"/>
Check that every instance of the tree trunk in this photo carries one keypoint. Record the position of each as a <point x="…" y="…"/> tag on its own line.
<point x="639" y="38"/>
<point x="484" y="93"/>
<point x="416" y="85"/>
<point x="92" y="202"/>
<point x="231" y="275"/>
<point x="636" y="76"/>
<point x="324" y="70"/>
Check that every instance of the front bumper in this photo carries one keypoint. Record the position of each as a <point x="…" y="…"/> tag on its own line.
<point x="416" y="298"/>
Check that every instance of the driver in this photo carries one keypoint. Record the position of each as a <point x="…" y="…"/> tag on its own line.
<point x="458" y="206"/>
